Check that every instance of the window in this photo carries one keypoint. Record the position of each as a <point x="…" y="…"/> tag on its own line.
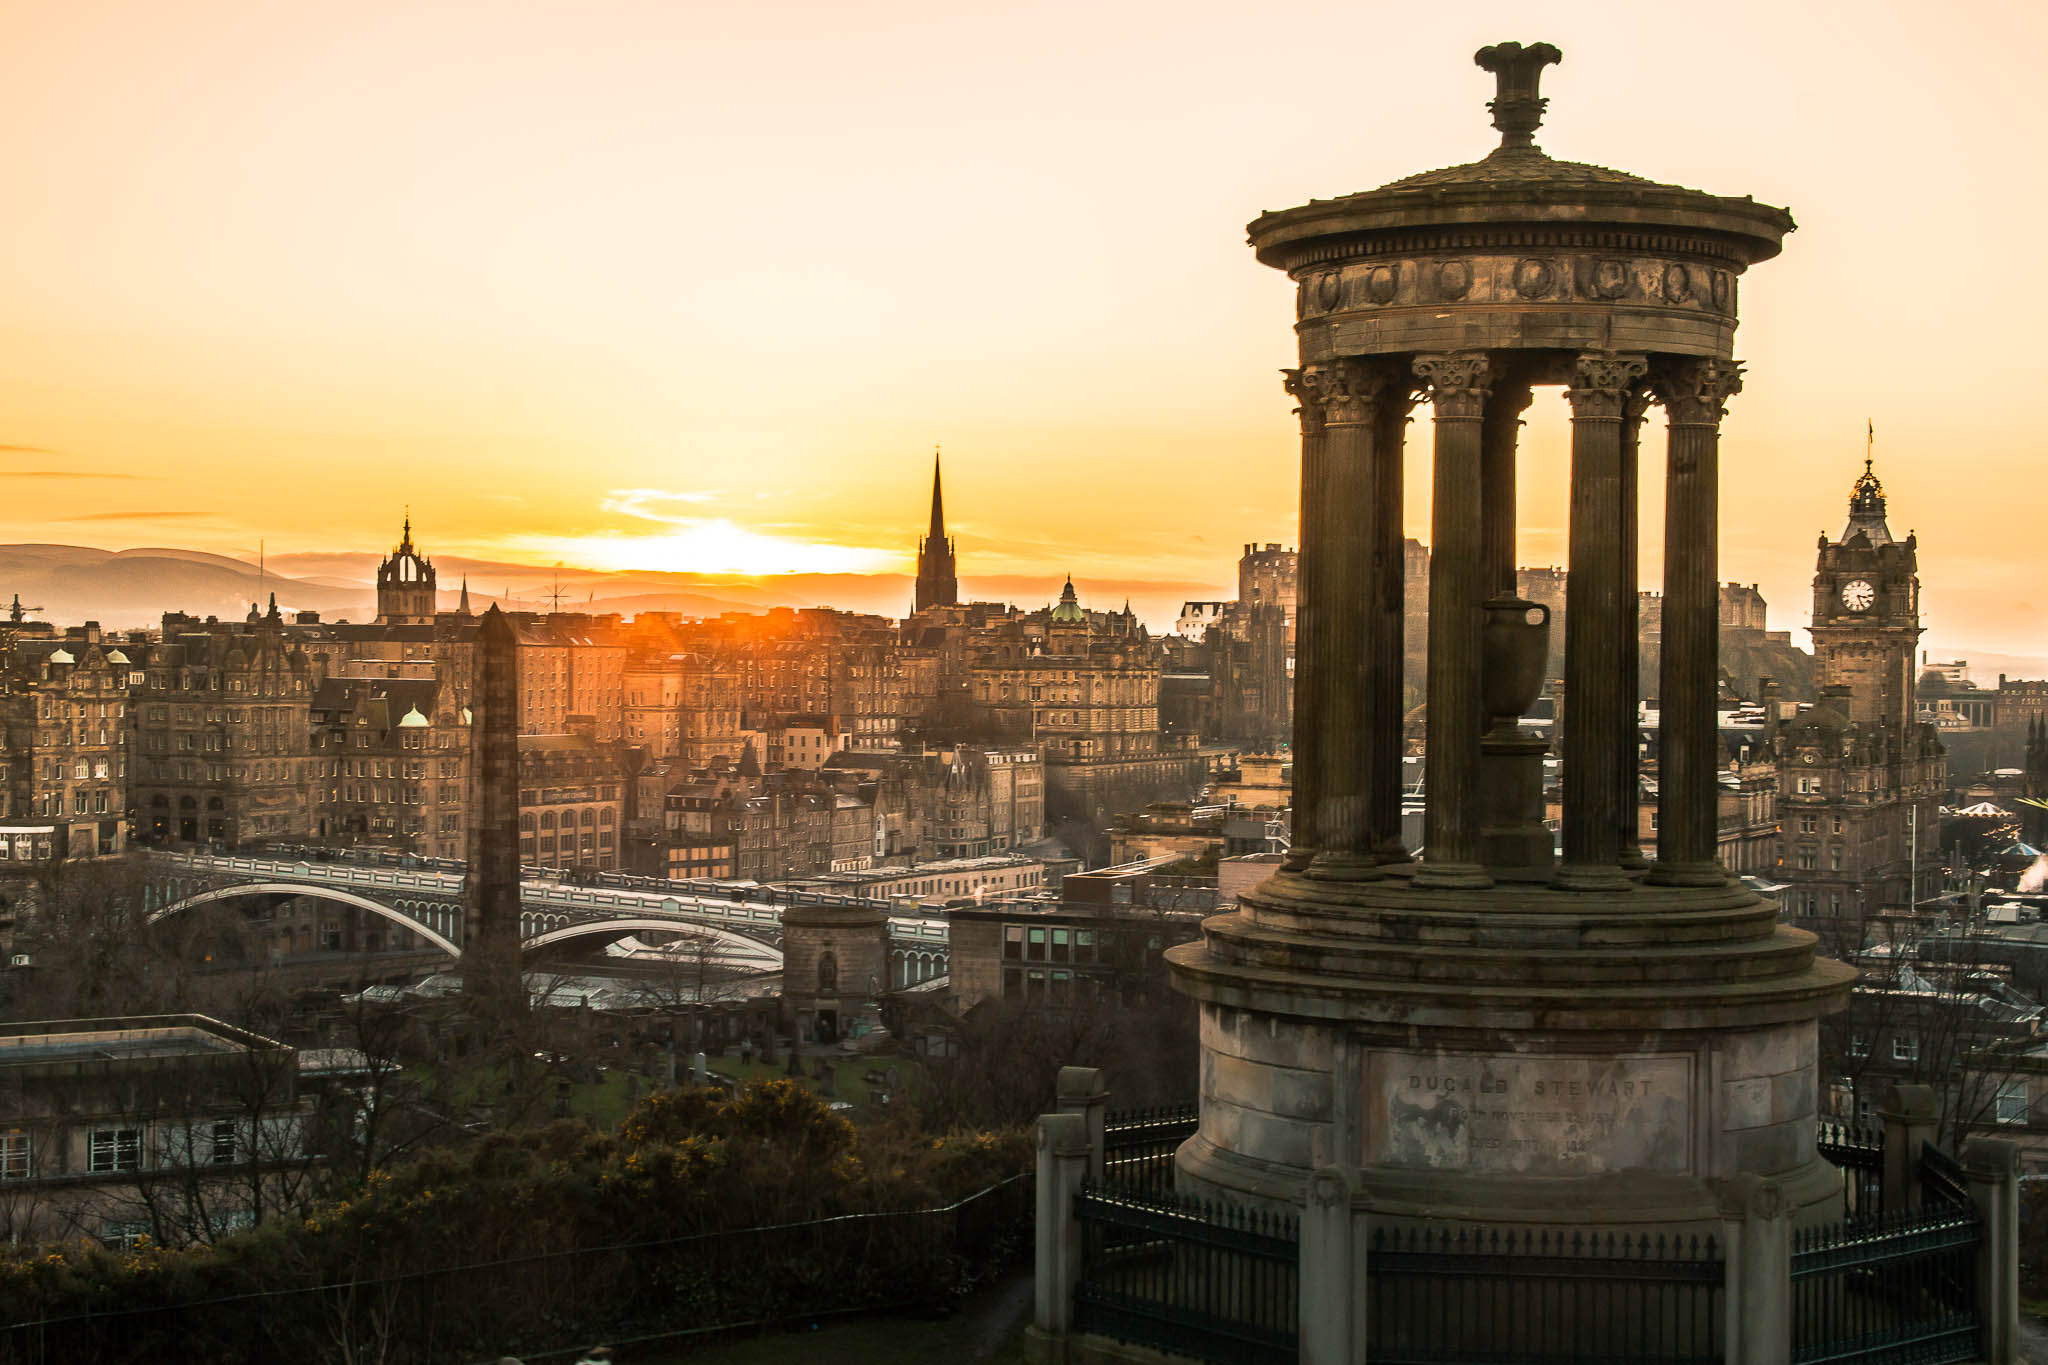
<point x="1859" y="1045"/>
<point x="1906" y="1047"/>
<point x="124" y="1236"/>
<point x="14" y="1156"/>
<point x="114" y="1149"/>
<point x="2012" y="1102"/>
<point x="223" y="1153"/>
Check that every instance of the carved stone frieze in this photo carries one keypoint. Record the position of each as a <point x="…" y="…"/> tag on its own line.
<point x="1606" y="385"/>
<point x="1517" y="277"/>
<point x="1458" y="381"/>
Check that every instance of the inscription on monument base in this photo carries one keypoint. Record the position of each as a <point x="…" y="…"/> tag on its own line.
<point x="1530" y="1115"/>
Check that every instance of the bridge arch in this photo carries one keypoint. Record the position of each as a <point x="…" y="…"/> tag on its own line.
<point x="628" y="924"/>
<point x="398" y="917"/>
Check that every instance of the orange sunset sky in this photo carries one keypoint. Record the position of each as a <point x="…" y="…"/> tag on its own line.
<point x="698" y="286"/>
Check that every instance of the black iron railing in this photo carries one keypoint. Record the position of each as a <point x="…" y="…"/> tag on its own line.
<point x="1897" y="1288"/>
<point x="1138" y="1145"/>
<point x="1858" y="1148"/>
<point x="1212" y="1281"/>
<point x="1440" y="1294"/>
<point x="1941" y="1177"/>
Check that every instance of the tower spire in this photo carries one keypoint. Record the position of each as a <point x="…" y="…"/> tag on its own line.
<point x="937" y="583"/>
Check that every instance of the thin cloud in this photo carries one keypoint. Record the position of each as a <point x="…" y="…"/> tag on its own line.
<point x="61" y="474"/>
<point x="645" y="503"/>
<point x="28" y="450"/>
<point x="135" y="516"/>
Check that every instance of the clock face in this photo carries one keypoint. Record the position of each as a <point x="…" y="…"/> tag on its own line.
<point x="1858" y="595"/>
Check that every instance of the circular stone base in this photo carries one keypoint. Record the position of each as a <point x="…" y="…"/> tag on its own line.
<point x="1516" y="1055"/>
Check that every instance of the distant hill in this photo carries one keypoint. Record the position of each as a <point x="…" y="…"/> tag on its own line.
<point x="127" y="588"/>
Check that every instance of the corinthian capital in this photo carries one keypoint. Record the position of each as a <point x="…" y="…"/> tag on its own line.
<point x="1606" y="384"/>
<point x="1349" y="389"/>
<point x="1309" y="407"/>
<point x="1696" y="392"/>
<point x="1458" y="382"/>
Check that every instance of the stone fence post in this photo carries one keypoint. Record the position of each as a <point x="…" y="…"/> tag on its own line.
<point x="1332" y="1265"/>
<point x="1992" y="1167"/>
<point x="1080" y="1091"/>
<point x="1757" y="1246"/>
<point x="1062" y="1166"/>
<point x="1911" y="1117"/>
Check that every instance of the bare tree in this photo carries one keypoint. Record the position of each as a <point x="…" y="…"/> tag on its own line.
<point x="1931" y="1009"/>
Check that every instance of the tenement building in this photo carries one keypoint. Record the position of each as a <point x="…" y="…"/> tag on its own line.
<point x="391" y="765"/>
<point x="572" y="808"/>
<point x="63" y="747"/>
<point x="1088" y="696"/>
<point x="1860" y="776"/>
<point x="221" y="751"/>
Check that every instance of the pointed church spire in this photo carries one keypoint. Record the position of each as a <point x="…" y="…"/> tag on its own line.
<point x="462" y="606"/>
<point x="937" y="582"/>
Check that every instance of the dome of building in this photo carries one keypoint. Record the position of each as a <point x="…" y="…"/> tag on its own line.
<point x="62" y="656"/>
<point x="1068" y="612"/>
<point x="413" y="720"/>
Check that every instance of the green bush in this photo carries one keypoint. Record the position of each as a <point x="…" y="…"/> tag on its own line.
<point x="697" y="1210"/>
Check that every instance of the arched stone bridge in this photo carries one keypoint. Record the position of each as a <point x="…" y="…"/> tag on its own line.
<point x="425" y="898"/>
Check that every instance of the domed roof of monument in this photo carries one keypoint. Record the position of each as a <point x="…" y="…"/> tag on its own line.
<point x="1519" y="183"/>
<point x="1519" y="166"/>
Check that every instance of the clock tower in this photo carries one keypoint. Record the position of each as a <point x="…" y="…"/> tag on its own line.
<point x="1859" y="776"/>
<point x="1866" y="613"/>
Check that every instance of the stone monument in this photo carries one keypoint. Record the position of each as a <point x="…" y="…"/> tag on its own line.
<point x="1481" y="1029"/>
<point x="832" y="953"/>
<point x="490" y="892"/>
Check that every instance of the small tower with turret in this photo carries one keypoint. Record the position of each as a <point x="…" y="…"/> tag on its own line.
<point x="405" y="585"/>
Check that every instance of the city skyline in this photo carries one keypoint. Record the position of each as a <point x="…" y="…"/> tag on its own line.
<point x="545" y="282"/>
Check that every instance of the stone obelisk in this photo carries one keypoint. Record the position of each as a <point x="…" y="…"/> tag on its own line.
<point x="490" y="892"/>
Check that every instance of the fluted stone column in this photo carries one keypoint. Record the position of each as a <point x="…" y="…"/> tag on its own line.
<point x="1310" y="600"/>
<point x="1386" y="651"/>
<point x="1499" y="433"/>
<point x="1628" y="783"/>
<point x="1459" y="581"/>
<point x="1594" y="623"/>
<point x="1695" y="395"/>
<point x="1337" y="505"/>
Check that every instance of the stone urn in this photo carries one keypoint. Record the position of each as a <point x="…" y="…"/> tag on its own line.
<point x="1514" y="649"/>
